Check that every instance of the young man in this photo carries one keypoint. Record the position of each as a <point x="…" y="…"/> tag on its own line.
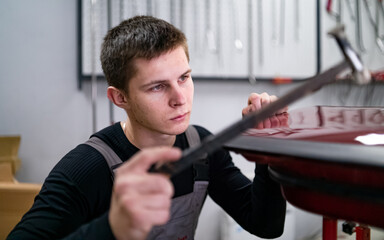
<point x="146" y="63"/>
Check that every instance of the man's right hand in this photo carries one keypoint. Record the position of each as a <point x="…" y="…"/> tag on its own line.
<point x="140" y="199"/>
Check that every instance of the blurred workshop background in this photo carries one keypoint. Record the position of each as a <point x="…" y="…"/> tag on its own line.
<point x="53" y="93"/>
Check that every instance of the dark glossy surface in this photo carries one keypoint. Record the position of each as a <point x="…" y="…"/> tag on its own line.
<point x="323" y="167"/>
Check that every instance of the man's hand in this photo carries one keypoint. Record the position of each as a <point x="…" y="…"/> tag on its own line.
<point x="140" y="199"/>
<point x="258" y="101"/>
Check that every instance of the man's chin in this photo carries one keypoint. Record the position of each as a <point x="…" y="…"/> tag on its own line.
<point x="179" y="129"/>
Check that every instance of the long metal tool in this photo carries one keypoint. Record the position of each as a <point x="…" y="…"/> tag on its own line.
<point x="182" y="17"/>
<point x="109" y="24"/>
<point x="297" y="20"/>
<point x="196" y="27"/>
<point x="93" y="29"/>
<point x="350" y="9"/>
<point x="149" y="7"/>
<point x="282" y="22"/>
<point x="235" y="25"/>
<point x="251" y="76"/>
<point x="359" y="36"/>
<point x="218" y="33"/>
<point x="260" y="32"/>
<point x="375" y="24"/>
<point x="274" y="39"/>
<point x="211" y="39"/>
<point x="380" y="6"/>
<point x="122" y="9"/>
<point x="172" y="11"/>
<point x="214" y="142"/>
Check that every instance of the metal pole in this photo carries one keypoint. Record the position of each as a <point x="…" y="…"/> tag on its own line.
<point x="260" y="31"/>
<point x="111" y="112"/>
<point x="251" y="76"/>
<point x="93" y="64"/>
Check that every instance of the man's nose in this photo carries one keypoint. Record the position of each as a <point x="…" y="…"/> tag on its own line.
<point x="177" y="96"/>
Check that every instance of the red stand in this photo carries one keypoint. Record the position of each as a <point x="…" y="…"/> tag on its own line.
<point x="363" y="233"/>
<point x="329" y="229"/>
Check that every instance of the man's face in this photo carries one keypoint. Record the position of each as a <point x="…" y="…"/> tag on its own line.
<point x="161" y="94"/>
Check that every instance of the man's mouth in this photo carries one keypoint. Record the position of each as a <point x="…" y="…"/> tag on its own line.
<point x="179" y="117"/>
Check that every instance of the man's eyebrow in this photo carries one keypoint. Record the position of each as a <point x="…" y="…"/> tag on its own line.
<point x="186" y="72"/>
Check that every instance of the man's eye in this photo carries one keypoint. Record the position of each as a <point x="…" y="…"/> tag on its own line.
<point x="184" y="78"/>
<point x="157" y="88"/>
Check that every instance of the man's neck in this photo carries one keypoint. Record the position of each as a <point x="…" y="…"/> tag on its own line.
<point x="144" y="138"/>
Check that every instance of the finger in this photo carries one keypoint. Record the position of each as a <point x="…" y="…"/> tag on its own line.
<point x="143" y="183"/>
<point x="143" y="160"/>
<point x="252" y="96"/>
<point x="275" y="122"/>
<point x="255" y="101"/>
<point x="144" y="219"/>
<point x="260" y="125"/>
<point x="267" y="123"/>
<point x="283" y="110"/>
<point x="146" y="208"/>
<point x="273" y="98"/>
<point x="283" y="118"/>
<point x="133" y="203"/>
<point x="155" y="201"/>
<point x="149" y="217"/>
<point x="245" y="111"/>
<point x="265" y="99"/>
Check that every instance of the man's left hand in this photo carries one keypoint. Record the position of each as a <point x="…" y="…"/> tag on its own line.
<point x="257" y="101"/>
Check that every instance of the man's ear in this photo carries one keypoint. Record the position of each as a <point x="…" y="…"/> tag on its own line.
<point x="117" y="97"/>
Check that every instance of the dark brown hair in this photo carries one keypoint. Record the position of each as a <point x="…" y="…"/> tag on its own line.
<point x="138" y="37"/>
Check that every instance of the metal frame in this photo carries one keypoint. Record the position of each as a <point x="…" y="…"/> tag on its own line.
<point x="82" y="77"/>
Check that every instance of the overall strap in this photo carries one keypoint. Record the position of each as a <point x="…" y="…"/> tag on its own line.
<point x="201" y="169"/>
<point x="109" y="155"/>
<point x="192" y="135"/>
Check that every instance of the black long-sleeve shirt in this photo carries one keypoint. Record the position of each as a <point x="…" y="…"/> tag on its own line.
<point x="75" y="198"/>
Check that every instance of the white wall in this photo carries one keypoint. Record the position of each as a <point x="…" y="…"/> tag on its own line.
<point x="40" y="101"/>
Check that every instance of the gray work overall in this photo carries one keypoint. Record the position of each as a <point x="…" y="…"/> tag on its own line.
<point x="185" y="209"/>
